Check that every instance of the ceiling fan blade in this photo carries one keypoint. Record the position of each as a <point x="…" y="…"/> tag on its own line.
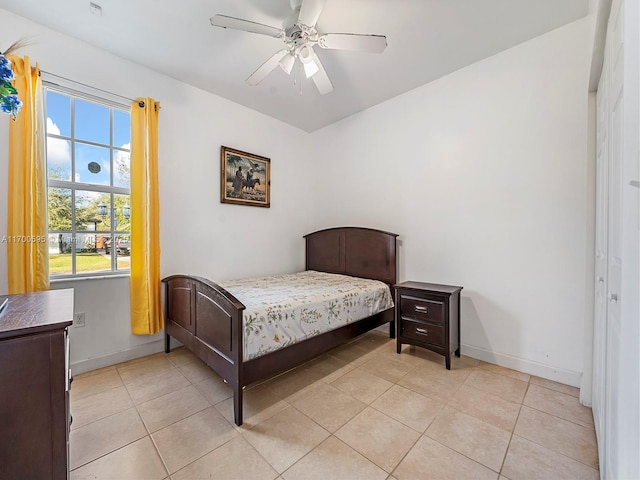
<point x="320" y="78"/>
<point x="354" y="42"/>
<point x="245" y="25"/>
<point x="266" y="68"/>
<point x="310" y="12"/>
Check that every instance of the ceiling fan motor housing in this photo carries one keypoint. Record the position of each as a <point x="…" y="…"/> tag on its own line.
<point x="291" y="28"/>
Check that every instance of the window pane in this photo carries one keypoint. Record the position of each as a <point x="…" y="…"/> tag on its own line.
<point x="122" y="213"/>
<point x="123" y="252"/>
<point x="92" y="122"/>
<point x="121" y="129"/>
<point x="102" y="210"/>
<point x="58" y="158"/>
<point x="59" y="208"/>
<point x="85" y="242"/>
<point x="93" y="164"/>
<point x="93" y="211"/>
<point x="58" y="114"/>
<point x="103" y="240"/>
<point x="90" y="261"/>
<point x="60" y="253"/>
<point x="121" y="174"/>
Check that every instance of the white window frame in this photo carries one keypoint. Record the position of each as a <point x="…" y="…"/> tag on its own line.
<point x="74" y="186"/>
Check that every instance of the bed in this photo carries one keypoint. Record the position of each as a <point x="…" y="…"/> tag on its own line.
<point x="209" y="320"/>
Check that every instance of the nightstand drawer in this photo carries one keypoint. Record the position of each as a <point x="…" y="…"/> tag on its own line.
<point x="421" y="309"/>
<point x="423" y="332"/>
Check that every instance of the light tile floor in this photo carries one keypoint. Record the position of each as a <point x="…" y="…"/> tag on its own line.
<point x="359" y="412"/>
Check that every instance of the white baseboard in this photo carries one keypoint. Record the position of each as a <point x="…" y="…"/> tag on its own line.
<point x="118" y="357"/>
<point x="566" y="377"/>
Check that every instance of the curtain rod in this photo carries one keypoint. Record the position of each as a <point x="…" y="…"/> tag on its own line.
<point x="140" y="102"/>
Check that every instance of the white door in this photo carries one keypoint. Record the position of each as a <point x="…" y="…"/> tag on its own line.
<point x="602" y="214"/>
<point x="614" y="241"/>
<point x="616" y="316"/>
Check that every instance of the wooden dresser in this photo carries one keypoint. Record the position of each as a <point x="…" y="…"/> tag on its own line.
<point x="428" y="315"/>
<point x="34" y="385"/>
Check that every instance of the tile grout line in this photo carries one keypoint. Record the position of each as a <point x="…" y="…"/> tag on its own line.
<point x="155" y="447"/>
<point x="204" y="454"/>
<point x="506" y="452"/>
<point x="294" y="463"/>
<point x="460" y="453"/>
<point x="502" y="398"/>
<point x="311" y="451"/>
<point x="417" y="440"/>
<point x="591" y="427"/>
<point x="446" y="404"/>
<point x="544" y="446"/>
<point x="558" y="452"/>
<point x="109" y="416"/>
<point x="93" y="394"/>
<point x="157" y="450"/>
<point x="149" y="434"/>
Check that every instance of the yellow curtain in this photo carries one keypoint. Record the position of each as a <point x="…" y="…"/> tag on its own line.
<point x="146" y="308"/>
<point x="27" y="245"/>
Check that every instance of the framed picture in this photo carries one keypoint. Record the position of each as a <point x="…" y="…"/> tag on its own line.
<point x="245" y="178"/>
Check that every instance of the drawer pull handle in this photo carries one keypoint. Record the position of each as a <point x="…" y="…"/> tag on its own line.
<point x="422" y="331"/>
<point x="421" y="309"/>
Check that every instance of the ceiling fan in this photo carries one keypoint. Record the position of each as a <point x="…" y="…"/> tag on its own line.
<point x="300" y="36"/>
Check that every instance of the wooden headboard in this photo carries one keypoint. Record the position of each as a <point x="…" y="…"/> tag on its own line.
<point x="355" y="251"/>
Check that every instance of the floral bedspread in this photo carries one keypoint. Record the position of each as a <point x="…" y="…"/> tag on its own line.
<point x="285" y="309"/>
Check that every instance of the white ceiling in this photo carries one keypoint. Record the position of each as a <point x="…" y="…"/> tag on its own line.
<point x="426" y="40"/>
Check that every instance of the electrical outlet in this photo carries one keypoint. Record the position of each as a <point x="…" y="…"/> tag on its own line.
<point x="78" y="320"/>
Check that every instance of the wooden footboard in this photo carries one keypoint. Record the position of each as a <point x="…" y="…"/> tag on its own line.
<point x="207" y="320"/>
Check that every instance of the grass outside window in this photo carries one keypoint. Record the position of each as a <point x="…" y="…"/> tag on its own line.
<point x="86" y="263"/>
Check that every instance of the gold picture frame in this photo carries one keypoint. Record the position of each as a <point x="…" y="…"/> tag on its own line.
<point x="245" y="178"/>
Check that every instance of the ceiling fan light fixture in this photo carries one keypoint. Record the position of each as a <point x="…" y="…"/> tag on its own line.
<point x="310" y="68"/>
<point x="305" y="53"/>
<point x="286" y="64"/>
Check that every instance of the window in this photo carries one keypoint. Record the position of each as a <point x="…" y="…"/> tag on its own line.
<point x="88" y="164"/>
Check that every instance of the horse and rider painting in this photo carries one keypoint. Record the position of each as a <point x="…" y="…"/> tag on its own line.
<point x="245" y="178"/>
<point x="240" y="182"/>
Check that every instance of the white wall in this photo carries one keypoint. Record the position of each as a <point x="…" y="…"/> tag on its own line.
<point x="483" y="173"/>
<point x="199" y="235"/>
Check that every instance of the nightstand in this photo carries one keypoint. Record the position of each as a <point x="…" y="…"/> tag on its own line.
<point x="428" y="315"/>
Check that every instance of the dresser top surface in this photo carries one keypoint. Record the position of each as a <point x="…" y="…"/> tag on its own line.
<point x="430" y="287"/>
<point x="35" y="312"/>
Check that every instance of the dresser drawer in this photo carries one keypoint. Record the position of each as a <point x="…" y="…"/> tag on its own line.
<point x="421" y="309"/>
<point x="423" y="332"/>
